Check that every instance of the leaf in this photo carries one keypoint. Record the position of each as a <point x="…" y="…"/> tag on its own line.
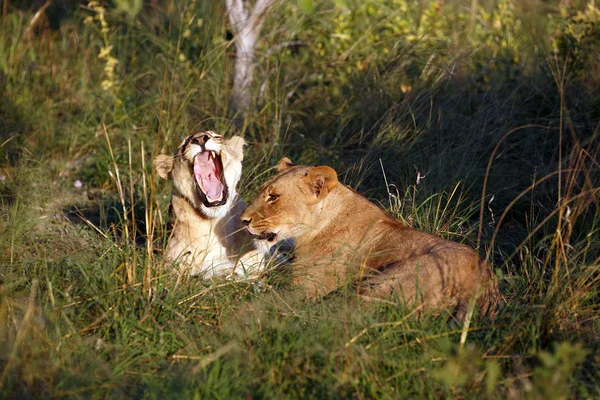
<point x="306" y="6"/>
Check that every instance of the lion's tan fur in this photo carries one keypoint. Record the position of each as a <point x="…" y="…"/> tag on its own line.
<point x="341" y="236"/>
<point x="204" y="240"/>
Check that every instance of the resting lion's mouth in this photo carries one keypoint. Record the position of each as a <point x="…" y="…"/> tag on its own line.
<point x="268" y="236"/>
<point x="208" y="174"/>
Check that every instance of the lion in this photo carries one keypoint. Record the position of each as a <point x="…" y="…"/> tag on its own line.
<point x="340" y="236"/>
<point x="207" y="235"/>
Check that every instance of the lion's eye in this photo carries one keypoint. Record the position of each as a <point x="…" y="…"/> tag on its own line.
<point x="272" y="198"/>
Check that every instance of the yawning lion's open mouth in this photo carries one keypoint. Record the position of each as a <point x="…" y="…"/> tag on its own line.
<point x="208" y="173"/>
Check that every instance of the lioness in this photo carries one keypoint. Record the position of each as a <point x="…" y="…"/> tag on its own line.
<point x="341" y="236"/>
<point x="207" y="233"/>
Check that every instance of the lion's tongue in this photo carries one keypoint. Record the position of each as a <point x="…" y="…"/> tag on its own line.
<point x="207" y="171"/>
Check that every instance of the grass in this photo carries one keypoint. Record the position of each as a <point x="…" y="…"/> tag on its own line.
<point x="500" y="153"/>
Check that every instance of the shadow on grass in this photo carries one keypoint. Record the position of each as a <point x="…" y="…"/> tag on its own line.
<point x="12" y="126"/>
<point x="107" y="216"/>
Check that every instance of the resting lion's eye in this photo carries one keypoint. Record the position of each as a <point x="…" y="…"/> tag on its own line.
<point x="272" y="198"/>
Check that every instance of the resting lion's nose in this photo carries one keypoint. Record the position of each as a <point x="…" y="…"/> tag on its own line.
<point x="246" y="221"/>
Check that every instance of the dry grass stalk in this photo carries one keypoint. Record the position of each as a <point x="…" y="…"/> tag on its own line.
<point x="23" y="329"/>
<point x="148" y="219"/>
<point x="36" y="17"/>
<point x="129" y="276"/>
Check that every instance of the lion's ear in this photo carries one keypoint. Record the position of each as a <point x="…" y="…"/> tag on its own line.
<point x="236" y="144"/>
<point x="163" y="165"/>
<point x="284" y="164"/>
<point x="322" y="180"/>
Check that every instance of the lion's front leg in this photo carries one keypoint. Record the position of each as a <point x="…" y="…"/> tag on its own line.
<point x="319" y="279"/>
<point x="214" y="267"/>
<point x="255" y="262"/>
<point x="214" y="262"/>
<point x="267" y="256"/>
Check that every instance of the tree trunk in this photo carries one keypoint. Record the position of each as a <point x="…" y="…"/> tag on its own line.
<point x="246" y="25"/>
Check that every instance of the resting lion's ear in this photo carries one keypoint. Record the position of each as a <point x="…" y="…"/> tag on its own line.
<point x="163" y="165"/>
<point x="284" y="164"/>
<point x="322" y="180"/>
<point x="236" y="144"/>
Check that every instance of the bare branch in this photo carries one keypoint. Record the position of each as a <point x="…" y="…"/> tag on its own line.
<point x="261" y="7"/>
<point x="238" y="15"/>
<point x="246" y="28"/>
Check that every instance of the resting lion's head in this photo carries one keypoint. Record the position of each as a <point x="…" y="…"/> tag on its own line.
<point x="205" y="171"/>
<point x="289" y="202"/>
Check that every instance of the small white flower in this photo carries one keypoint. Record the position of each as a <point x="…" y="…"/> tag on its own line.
<point x="78" y="184"/>
<point x="2" y="178"/>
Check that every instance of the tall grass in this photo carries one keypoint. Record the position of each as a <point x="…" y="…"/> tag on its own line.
<point x="493" y="146"/>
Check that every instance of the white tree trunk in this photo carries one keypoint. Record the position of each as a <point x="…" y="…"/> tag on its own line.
<point x="246" y="25"/>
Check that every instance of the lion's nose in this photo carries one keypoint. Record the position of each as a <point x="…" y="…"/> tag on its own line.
<point x="201" y="140"/>
<point x="246" y="221"/>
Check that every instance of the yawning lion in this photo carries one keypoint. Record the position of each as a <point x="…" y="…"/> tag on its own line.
<point x="207" y="233"/>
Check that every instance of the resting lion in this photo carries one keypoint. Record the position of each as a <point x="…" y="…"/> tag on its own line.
<point x="207" y="234"/>
<point x="340" y="236"/>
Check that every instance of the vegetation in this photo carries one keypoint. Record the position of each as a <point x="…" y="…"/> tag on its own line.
<point x="477" y="121"/>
